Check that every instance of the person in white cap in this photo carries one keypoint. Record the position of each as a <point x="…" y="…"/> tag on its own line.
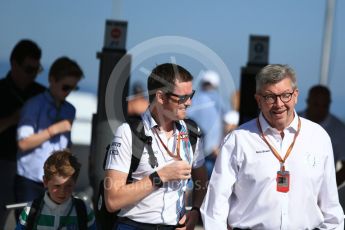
<point x="208" y="111"/>
<point x="232" y="117"/>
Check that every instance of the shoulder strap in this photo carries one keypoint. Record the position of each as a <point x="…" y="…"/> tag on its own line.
<point x="139" y="140"/>
<point x="138" y="133"/>
<point x="137" y="127"/>
<point x="81" y="212"/>
<point x="106" y="156"/>
<point x="33" y="213"/>
<point x="193" y="132"/>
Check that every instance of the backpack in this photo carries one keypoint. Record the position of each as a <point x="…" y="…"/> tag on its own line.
<point x="106" y="220"/>
<point x="37" y="205"/>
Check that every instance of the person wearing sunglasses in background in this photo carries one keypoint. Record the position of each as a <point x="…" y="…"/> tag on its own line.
<point x="44" y="127"/>
<point x="275" y="171"/>
<point x="156" y="198"/>
<point x="15" y="89"/>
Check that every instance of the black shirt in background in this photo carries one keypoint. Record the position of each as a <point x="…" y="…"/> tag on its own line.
<point x="11" y="100"/>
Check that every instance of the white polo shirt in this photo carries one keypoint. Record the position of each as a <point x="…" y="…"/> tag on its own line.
<point x="165" y="205"/>
<point x="242" y="191"/>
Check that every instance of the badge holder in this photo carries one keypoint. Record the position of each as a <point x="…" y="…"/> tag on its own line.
<point x="283" y="180"/>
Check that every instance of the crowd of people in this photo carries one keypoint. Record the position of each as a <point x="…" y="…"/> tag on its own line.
<point x="277" y="171"/>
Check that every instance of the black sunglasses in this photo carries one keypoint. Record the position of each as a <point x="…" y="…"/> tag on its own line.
<point x="183" y="98"/>
<point x="68" y="88"/>
<point x="32" y="69"/>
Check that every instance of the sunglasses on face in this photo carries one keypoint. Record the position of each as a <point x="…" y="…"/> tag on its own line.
<point x="32" y="69"/>
<point x="69" y="88"/>
<point x="182" y="98"/>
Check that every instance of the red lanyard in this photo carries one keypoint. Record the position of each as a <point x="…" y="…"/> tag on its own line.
<point x="274" y="151"/>
<point x="177" y="156"/>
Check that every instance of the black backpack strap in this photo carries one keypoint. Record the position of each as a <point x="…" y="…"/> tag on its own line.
<point x="34" y="211"/>
<point x="105" y="219"/>
<point x="81" y="212"/>
<point x="193" y="132"/>
<point x="106" y="156"/>
<point x="139" y="140"/>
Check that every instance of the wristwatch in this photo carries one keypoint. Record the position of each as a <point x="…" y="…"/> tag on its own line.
<point x="196" y="209"/>
<point x="156" y="180"/>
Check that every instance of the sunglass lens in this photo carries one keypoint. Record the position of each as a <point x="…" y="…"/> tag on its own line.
<point x="185" y="98"/>
<point x="68" y="88"/>
<point x="33" y="69"/>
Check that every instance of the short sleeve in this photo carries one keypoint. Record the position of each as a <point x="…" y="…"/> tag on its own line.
<point x="119" y="153"/>
<point x="28" y="120"/>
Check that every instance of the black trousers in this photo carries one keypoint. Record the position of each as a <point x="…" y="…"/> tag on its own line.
<point x="144" y="226"/>
<point x="249" y="229"/>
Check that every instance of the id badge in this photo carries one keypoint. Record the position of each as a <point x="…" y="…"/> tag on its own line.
<point x="283" y="181"/>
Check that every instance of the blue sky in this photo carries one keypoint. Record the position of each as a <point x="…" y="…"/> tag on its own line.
<point x="76" y="29"/>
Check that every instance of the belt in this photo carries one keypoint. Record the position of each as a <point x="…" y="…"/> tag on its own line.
<point x="249" y="229"/>
<point x="145" y="226"/>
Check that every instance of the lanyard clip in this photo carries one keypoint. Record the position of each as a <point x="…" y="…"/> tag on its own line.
<point x="282" y="167"/>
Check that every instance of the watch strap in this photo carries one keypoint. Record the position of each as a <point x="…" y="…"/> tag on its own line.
<point x="196" y="209"/>
<point x="156" y="180"/>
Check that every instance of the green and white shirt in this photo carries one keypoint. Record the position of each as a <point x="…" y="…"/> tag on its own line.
<point x="56" y="216"/>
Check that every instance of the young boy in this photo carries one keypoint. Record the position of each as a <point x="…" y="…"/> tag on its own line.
<point x="44" y="127"/>
<point x="58" y="208"/>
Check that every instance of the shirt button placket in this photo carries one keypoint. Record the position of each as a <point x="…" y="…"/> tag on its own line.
<point x="285" y="207"/>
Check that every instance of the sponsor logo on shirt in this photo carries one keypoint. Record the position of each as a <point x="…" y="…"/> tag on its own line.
<point x="312" y="160"/>
<point x="263" y="151"/>
<point x="184" y="136"/>
<point x="113" y="150"/>
<point x="116" y="144"/>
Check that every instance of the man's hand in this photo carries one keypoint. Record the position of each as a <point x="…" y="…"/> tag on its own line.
<point x="188" y="221"/>
<point x="178" y="170"/>
<point x="340" y="176"/>
<point x="192" y="219"/>
<point x="60" y="127"/>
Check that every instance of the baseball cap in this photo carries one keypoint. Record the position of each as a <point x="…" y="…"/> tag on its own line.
<point x="211" y="77"/>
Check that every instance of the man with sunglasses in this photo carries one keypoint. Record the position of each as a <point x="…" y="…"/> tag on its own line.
<point x="44" y="127"/>
<point x="275" y="171"/>
<point x="15" y="89"/>
<point x="156" y="198"/>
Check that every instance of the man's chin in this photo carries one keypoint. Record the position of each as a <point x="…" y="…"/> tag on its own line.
<point x="181" y="116"/>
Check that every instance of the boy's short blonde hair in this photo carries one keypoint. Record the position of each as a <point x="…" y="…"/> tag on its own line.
<point x="61" y="163"/>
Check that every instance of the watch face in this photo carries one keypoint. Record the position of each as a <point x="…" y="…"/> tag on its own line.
<point x="156" y="180"/>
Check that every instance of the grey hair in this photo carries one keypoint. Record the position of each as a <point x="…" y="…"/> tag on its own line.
<point x="272" y="74"/>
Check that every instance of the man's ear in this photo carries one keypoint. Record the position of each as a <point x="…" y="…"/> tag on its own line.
<point x="296" y="93"/>
<point x="160" y="97"/>
<point x="257" y="99"/>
